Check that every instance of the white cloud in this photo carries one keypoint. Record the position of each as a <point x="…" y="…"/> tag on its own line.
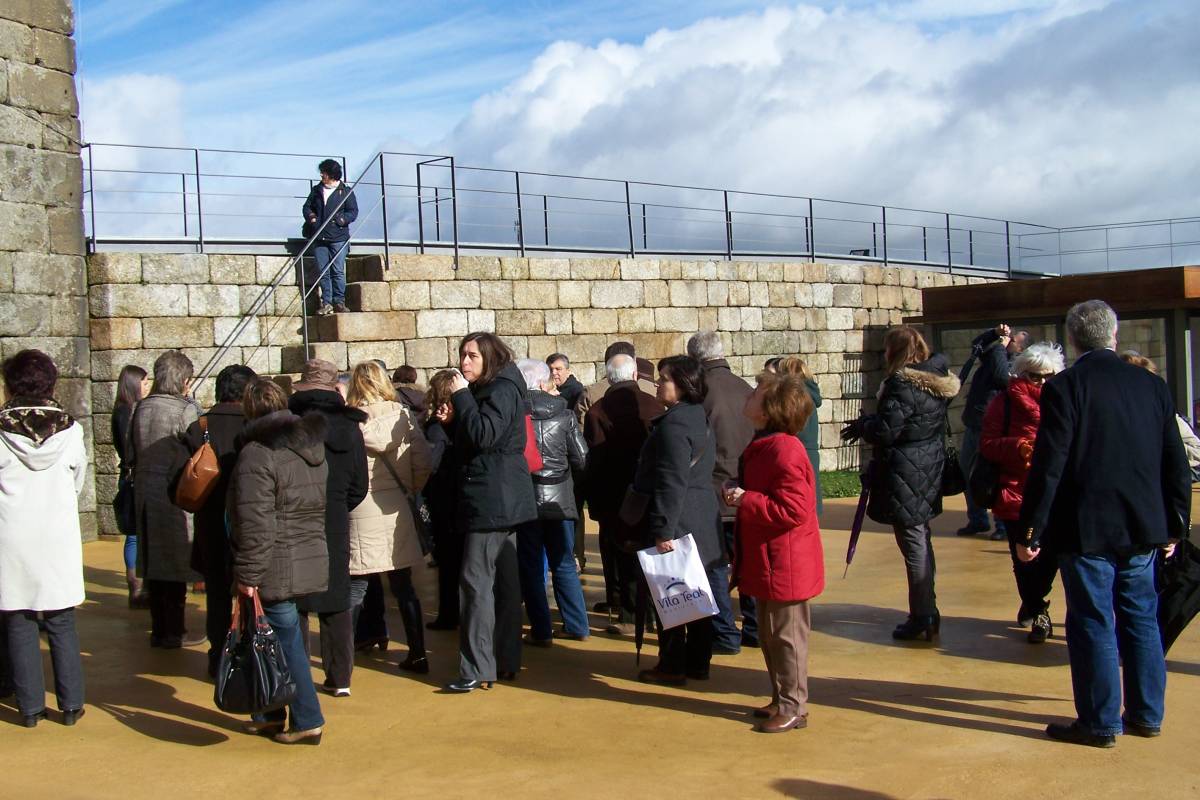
<point x="1063" y="113"/>
<point x="133" y="109"/>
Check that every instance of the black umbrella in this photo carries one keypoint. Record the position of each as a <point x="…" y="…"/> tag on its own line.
<point x="639" y="620"/>
<point x="859" y="515"/>
<point x="1179" y="592"/>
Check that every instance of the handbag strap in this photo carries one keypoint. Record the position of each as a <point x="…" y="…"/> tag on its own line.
<point x="703" y="450"/>
<point x="387" y="463"/>
<point x="204" y="427"/>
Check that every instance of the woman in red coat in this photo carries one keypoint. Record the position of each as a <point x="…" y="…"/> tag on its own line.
<point x="1010" y="427"/>
<point x="779" y="561"/>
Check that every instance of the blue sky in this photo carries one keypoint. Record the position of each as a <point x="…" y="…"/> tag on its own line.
<point x="1064" y="111"/>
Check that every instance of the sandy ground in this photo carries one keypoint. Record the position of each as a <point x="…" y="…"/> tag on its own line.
<point x="961" y="719"/>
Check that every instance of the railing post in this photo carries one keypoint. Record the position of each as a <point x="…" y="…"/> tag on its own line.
<point x="183" y="186"/>
<point x="454" y="208"/>
<point x="645" y="234"/>
<point x="949" y="252"/>
<point x="303" y="303"/>
<point x="971" y="246"/>
<point x="728" y="227"/>
<point x="92" y="193"/>
<point x="812" y="233"/>
<point x="520" y="217"/>
<point x="883" y="209"/>
<point x="387" y="249"/>
<point x="629" y="219"/>
<point x="546" y="218"/>
<point x="874" y="241"/>
<point x="924" y="243"/>
<point x="421" y="214"/>
<point x="199" y="208"/>
<point x="437" y="214"/>
<point x="1008" y="248"/>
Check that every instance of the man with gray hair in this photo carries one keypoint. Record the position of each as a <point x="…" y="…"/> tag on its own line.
<point x="1109" y="485"/>
<point x="732" y="431"/>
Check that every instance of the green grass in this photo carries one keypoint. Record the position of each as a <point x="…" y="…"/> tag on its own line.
<point x="843" y="483"/>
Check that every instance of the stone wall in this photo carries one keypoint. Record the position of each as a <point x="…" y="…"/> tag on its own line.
<point x="415" y="311"/>
<point x="43" y="297"/>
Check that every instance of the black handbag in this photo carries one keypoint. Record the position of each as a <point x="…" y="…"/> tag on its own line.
<point x="123" y="505"/>
<point x="953" y="480"/>
<point x="421" y="516"/>
<point x="253" y="675"/>
<point x="1179" y="592"/>
<point x="983" y="484"/>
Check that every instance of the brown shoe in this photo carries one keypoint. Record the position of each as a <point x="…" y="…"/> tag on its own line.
<point x="662" y="678"/>
<point x="767" y="711"/>
<point x="783" y="722"/>
<point x="619" y="629"/>
<point x="263" y="728"/>
<point x="310" y="736"/>
<point x="573" y="637"/>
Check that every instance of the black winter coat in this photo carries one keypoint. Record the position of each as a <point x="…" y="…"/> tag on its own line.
<point x="348" y="480"/>
<point x="991" y="378"/>
<point x="210" y="544"/>
<point x="682" y="499"/>
<point x="563" y="452"/>
<point x="909" y="434"/>
<point x="496" y="493"/>
<point x="571" y="390"/>
<point x="338" y="229"/>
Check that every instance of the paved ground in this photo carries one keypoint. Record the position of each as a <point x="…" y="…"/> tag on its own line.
<point x="962" y="719"/>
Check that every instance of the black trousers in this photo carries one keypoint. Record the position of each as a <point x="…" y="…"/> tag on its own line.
<point x="168" y="602"/>
<point x="401" y="584"/>
<point x="370" y="625"/>
<point x="448" y="552"/>
<point x="1035" y="579"/>
<point x="686" y="648"/>
<point x="337" y="645"/>
<point x="621" y="574"/>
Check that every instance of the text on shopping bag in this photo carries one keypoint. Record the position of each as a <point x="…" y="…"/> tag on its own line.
<point x="678" y="583"/>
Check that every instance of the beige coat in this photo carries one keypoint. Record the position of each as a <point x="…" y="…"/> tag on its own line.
<point x="382" y="533"/>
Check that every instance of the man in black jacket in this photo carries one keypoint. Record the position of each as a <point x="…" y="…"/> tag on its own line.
<point x="994" y="350"/>
<point x="1109" y="485"/>
<point x="330" y="201"/>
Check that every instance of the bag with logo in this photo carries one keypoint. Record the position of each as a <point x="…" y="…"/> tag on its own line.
<point x="678" y="584"/>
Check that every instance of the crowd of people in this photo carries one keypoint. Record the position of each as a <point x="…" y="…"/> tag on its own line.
<point x="330" y="492"/>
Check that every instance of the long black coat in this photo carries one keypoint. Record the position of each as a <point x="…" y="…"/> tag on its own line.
<point x="682" y="499"/>
<point x="210" y="545"/>
<point x="615" y="428"/>
<point x="563" y="452"/>
<point x="1109" y="473"/>
<point x="496" y="492"/>
<point x="346" y="456"/>
<point x="441" y="490"/>
<point x="908" y="431"/>
<point x="991" y="377"/>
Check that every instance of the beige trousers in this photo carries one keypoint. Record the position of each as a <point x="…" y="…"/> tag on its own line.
<point x="783" y="633"/>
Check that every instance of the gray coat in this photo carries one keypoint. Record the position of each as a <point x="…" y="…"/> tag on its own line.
<point x="157" y="452"/>
<point x="563" y="451"/>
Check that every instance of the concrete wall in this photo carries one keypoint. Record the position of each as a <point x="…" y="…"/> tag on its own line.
<point x="43" y="298"/>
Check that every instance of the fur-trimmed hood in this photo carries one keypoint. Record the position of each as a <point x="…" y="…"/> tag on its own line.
<point x="283" y="430"/>
<point x="33" y="418"/>
<point x="933" y="377"/>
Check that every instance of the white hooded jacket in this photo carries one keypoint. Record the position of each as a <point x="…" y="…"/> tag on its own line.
<point x="41" y="552"/>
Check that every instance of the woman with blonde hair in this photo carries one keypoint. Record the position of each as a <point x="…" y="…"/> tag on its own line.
<point x="383" y="533"/>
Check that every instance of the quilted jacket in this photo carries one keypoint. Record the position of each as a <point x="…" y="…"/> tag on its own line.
<point x="1003" y="447"/>
<point x="908" y="432"/>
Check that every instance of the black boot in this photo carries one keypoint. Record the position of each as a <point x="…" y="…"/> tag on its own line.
<point x="923" y="627"/>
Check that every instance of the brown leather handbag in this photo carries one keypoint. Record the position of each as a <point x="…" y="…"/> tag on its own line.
<point x="199" y="476"/>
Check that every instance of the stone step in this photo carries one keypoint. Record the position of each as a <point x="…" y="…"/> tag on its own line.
<point x="364" y="326"/>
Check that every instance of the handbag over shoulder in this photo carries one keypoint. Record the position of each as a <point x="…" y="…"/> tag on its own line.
<point x="200" y="475"/>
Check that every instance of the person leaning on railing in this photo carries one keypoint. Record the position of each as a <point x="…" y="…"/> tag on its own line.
<point x="332" y="204"/>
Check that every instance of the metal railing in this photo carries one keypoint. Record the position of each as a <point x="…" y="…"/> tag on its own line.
<point x="224" y="200"/>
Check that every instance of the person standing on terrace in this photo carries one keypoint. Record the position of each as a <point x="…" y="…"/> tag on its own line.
<point x="332" y="204"/>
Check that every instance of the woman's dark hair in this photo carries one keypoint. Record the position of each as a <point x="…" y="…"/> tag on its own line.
<point x="496" y="355"/>
<point x="440" y="391"/>
<point x="232" y="381"/>
<point x="687" y="375"/>
<point x="404" y="374"/>
<point x="263" y="397"/>
<point x="772" y="364"/>
<point x="331" y="168"/>
<point x="30" y="373"/>
<point x="129" y="385"/>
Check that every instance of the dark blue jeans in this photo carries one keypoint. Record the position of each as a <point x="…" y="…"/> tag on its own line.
<point x="305" y="709"/>
<point x="725" y="631"/>
<point x="1112" y="621"/>
<point x="24" y="652"/>
<point x="556" y="539"/>
<point x="333" y="280"/>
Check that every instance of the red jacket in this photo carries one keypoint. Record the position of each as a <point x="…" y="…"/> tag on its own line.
<point x="1001" y="448"/>
<point x="779" y="542"/>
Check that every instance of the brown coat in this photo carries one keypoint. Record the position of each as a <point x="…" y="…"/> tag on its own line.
<point x="383" y="536"/>
<point x="723" y="404"/>
<point x="615" y="429"/>
<point x="277" y="507"/>
<point x="592" y="394"/>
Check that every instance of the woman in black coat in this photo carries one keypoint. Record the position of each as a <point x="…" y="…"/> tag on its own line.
<point x="675" y="471"/>
<point x="132" y="385"/>
<point x="211" y="555"/>
<point x="908" y="431"/>
<point x="347" y="486"/>
<point x="495" y="496"/>
<point x="441" y="498"/>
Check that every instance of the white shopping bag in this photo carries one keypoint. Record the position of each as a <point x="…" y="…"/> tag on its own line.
<point x="679" y="586"/>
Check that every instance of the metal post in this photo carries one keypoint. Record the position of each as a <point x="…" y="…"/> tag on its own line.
<point x="949" y="252"/>
<point x="874" y="241"/>
<point x="884" y="210"/>
<point x="183" y="183"/>
<point x="199" y="209"/>
<point x="454" y="208"/>
<point x="645" y="236"/>
<point x="520" y="216"/>
<point x="303" y="306"/>
<point x="437" y="214"/>
<point x="546" y="219"/>
<point x="971" y="246"/>
<point x="92" y="193"/>
<point x="812" y="233"/>
<point x="924" y="244"/>
<point x="629" y="219"/>
<point x="728" y="228"/>
<point x="421" y="214"/>
<point x="387" y="249"/>
<point x="1008" y="248"/>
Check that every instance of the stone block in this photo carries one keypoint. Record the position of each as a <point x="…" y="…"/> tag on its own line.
<point x="517" y="323"/>
<point x="535" y="294"/>
<point x="369" y="326"/>
<point x="209" y="300"/>
<point x="177" y="332"/>
<point x="107" y="364"/>
<point x="278" y="331"/>
<point x="558" y="321"/>
<point x="654" y="346"/>
<point x="670" y="269"/>
<point x="71" y="354"/>
<point x="410" y="295"/>
<point x="284" y="300"/>
<point x="540" y="347"/>
<point x="391" y="353"/>
<point x="442" y="322"/>
<point x="889" y="297"/>
<point x="640" y="269"/>
<point x="15" y="126"/>
<point x="114" y="268"/>
<point x="41" y="89"/>
<point x="760" y="295"/>
<point x="775" y="343"/>
<point x="40" y="176"/>
<point x="729" y="319"/>
<point x="6" y="271"/>
<point x="433" y="353"/>
<point x="747" y="271"/>
<point x="845" y="273"/>
<point x="911" y="299"/>
<point x="175" y="268"/>
<point x="688" y="293"/>
<point x="248" y="296"/>
<point x="361" y="269"/>
<point x="908" y="278"/>
<point x="815" y="319"/>
<point x="781" y="295"/>
<point x="116" y="334"/>
<point x="498" y="294"/>
<point x="292" y="358"/>
<point x="839" y="319"/>
<point x="62" y="137"/>
<point x="804" y="294"/>
<point x="676" y="319"/>
<point x="136" y="300"/>
<point x="39" y="273"/>
<point x="518" y="344"/>
<point x="24" y="226"/>
<point x="698" y="270"/>
<point x="727" y="271"/>
<point x="76" y="398"/>
<point x="617" y="294"/>
<point x="374" y="296"/>
<point x="831" y="341"/>
<point x="706" y="319"/>
<point x="53" y="15"/>
<point x="106" y="460"/>
<point x="656" y="294"/>
<point x="16" y="41"/>
<point x="481" y="320"/>
<point x="742" y="343"/>
<point x="739" y="293"/>
<point x="231" y="269"/>
<point x="549" y="269"/>
<point x="424" y="268"/>
<point x="267" y="267"/>
<point x="593" y="269"/>
<point x="872" y="274"/>
<point x="770" y="272"/>
<point x="776" y="319"/>
<point x="808" y="344"/>
<point x="573" y="294"/>
<point x="223" y="328"/>
<point x="514" y="268"/>
<point x="718" y="293"/>
<point x="816" y="273"/>
<point x="635" y="320"/>
<point x="586" y="347"/>
<point x="822" y="295"/>
<point x="455" y="294"/>
<point x="793" y="272"/>
<point x="870" y="295"/>
<point x="848" y="295"/>
<point x="66" y="231"/>
<point x="485" y="268"/>
<point x="751" y="319"/>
